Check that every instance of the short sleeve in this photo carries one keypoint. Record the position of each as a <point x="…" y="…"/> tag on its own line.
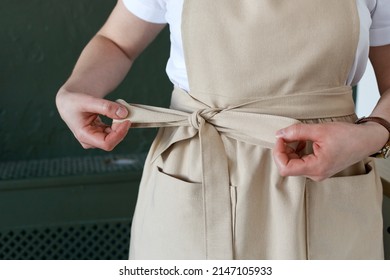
<point x="149" y="10"/>
<point x="380" y="27"/>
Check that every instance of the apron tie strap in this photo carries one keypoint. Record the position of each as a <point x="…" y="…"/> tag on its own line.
<point x="215" y="182"/>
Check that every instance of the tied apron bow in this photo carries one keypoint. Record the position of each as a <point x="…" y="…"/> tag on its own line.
<point x="254" y="122"/>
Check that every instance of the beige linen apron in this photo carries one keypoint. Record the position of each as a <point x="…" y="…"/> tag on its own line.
<point x="210" y="188"/>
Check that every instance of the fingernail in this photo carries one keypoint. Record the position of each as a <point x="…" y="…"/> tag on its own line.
<point x="279" y="133"/>
<point x="122" y="112"/>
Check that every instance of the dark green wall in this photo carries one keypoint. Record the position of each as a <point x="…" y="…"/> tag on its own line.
<point x="40" y="43"/>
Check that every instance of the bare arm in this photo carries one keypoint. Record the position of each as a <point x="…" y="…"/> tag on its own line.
<point x="102" y="65"/>
<point x="109" y="55"/>
<point x="337" y="145"/>
<point x="380" y="59"/>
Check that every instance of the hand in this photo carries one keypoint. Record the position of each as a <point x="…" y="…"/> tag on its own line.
<point x="81" y="113"/>
<point x="335" y="146"/>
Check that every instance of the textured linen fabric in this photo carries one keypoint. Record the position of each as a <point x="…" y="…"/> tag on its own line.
<point x="374" y="30"/>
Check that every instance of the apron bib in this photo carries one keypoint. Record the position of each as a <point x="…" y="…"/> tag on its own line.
<point x="210" y="188"/>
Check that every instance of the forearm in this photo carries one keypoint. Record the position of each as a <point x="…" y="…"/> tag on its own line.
<point x="99" y="70"/>
<point x="382" y="109"/>
<point x="380" y="59"/>
<point x="108" y="57"/>
<point x="376" y="134"/>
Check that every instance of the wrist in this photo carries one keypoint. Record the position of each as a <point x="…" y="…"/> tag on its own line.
<point x="378" y="130"/>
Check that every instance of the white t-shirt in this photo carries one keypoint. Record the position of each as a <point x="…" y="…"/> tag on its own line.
<point x="374" y="31"/>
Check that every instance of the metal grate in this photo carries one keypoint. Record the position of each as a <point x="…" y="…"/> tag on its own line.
<point x="68" y="166"/>
<point x="95" y="241"/>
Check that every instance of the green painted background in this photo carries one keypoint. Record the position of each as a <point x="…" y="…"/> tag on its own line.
<point x="40" y="42"/>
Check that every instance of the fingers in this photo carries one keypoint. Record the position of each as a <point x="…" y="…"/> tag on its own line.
<point x="299" y="132"/>
<point x="292" y="161"/>
<point x="81" y="113"/>
<point x="105" y="138"/>
<point x="288" y="160"/>
<point x="117" y="133"/>
<point x="104" y="107"/>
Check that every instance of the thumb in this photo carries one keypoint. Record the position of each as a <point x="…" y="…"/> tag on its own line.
<point x="298" y="132"/>
<point x="105" y="107"/>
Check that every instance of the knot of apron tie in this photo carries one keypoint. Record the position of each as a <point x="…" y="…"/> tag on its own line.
<point x="199" y="117"/>
<point x="254" y="122"/>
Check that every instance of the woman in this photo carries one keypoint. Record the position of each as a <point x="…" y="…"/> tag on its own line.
<point x="260" y="157"/>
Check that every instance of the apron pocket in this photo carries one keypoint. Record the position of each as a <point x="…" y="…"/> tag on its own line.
<point x="174" y="222"/>
<point x="344" y="217"/>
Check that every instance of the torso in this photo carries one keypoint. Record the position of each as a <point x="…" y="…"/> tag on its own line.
<point x="176" y="68"/>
